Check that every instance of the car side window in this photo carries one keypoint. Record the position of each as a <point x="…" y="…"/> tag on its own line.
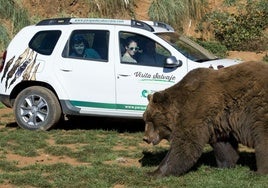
<point x="44" y="42"/>
<point x="87" y="44"/>
<point x="141" y="50"/>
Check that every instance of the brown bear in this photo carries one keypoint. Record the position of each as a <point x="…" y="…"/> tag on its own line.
<point x="222" y="107"/>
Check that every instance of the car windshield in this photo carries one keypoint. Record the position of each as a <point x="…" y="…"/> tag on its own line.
<point x="187" y="47"/>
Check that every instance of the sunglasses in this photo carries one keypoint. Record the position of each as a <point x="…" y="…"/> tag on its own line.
<point x="134" y="48"/>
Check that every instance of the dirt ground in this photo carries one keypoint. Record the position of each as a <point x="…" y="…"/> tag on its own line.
<point x="7" y="118"/>
<point x="247" y="56"/>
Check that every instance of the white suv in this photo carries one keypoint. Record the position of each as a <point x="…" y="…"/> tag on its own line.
<point x="42" y="77"/>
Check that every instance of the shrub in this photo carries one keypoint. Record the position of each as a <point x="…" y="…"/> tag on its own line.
<point x="265" y="58"/>
<point x="214" y="47"/>
<point x="176" y="12"/>
<point x="4" y="38"/>
<point x="244" y="30"/>
<point x="111" y="8"/>
<point x="6" y="9"/>
<point x="229" y="2"/>
<point x="18" y="17"/>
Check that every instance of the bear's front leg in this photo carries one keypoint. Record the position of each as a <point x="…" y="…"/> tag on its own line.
<point x="226" y="154"/>
<point x="185" y="150"/>
<point x="261" y="153"/>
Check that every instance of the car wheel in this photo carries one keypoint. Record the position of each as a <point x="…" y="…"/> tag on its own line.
<point x="37" y="108"/>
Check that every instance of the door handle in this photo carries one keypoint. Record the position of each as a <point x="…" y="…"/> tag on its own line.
<point x="123" y="75"/>
<point x="66" y="70"/>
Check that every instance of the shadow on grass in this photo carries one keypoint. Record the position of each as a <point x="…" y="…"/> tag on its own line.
<point x="207" y="158"/>
<point x="12" y="125"/>
<point x="104" y="123"/>
<point x="94" y="123"/>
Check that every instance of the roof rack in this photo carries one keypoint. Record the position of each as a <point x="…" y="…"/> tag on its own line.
<point x="147" y="25"/>
<point x="132" y="23"/>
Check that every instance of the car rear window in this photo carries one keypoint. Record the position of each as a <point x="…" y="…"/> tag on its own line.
<point x="96" y="44"/>
<point x="44" y="42"/>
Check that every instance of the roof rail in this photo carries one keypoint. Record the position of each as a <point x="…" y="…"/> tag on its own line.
<point x="66" y="21"/>
<point x="142" y="25"/>
<point x="159" y="24"/>
<point x="55" y="21"/>
<point x="163" y="25"/>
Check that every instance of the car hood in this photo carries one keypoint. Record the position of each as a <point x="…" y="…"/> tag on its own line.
<point x="220" y="63"/>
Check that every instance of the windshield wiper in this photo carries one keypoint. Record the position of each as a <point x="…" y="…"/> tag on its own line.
<point x="205" y="59"/>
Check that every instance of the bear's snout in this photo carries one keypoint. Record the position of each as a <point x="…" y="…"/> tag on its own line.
<point x="154" y="139"/>
<point x="146" y="139"/>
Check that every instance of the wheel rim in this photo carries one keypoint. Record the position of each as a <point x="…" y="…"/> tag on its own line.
<point x="34" y="110"/>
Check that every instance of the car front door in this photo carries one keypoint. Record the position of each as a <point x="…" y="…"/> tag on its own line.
<point x="135" y="81"/>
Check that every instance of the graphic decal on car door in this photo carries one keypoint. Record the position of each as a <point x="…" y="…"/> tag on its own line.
<point x="7" y="67"/>
<point x="22" y="66"/>
<point x="27" y="73"/>
<point x="33" y="76"/>
<point x="17" y="63"/>
<point x="157" y="77"/>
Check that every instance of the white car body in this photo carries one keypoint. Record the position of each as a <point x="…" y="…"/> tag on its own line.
<point x="105" y="87"/>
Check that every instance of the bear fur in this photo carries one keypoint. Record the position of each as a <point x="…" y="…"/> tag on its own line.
<point x="222" y="108"/>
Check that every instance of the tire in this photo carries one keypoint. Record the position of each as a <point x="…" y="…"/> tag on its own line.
<point x="37" y="108"/>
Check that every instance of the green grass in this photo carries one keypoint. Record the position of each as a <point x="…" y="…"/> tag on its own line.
<point x="4" y="40"/>
<point x="17" y="16"/>
<point x="111" y="8"/>
<point x="106" y="156"/>
<point x="1" y="105"/>
<point x="177" y="13"/>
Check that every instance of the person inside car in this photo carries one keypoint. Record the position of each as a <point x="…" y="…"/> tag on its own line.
<point x="150" y="56"/>
<point x="131" y="48"/>
<point x="80" y="48"/>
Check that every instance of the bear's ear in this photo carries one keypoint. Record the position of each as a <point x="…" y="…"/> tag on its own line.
<point x="159" y="97"/>
<point x="149" y="97"/>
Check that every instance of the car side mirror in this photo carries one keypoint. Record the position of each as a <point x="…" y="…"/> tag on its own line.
<point x="172" y="62"/>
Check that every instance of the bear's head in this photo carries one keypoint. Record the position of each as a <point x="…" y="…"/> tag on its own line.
<point x="159" y="118"/>
<point x="166" y="109"/>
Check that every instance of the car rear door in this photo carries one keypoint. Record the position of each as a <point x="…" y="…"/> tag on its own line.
<point x="89" y="83"/>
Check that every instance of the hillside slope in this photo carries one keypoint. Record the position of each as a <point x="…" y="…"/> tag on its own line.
<point x="79" y="8"/>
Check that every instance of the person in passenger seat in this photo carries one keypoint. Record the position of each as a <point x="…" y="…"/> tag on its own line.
<point x="150" y="56"/>
<point x="80" y="48"/>
<point x="131" y="49"/>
